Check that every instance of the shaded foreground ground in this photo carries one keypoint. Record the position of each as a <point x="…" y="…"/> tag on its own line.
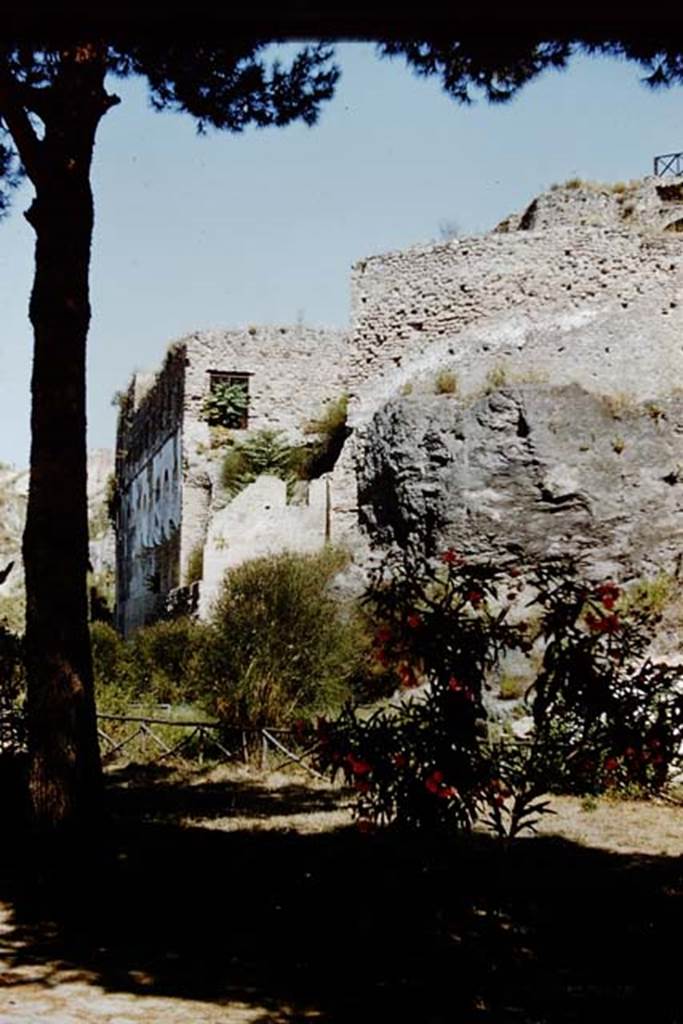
<point x="233" y="897"/>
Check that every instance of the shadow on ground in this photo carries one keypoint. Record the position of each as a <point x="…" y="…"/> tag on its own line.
<point x="155" y="790"/>
<point x="342" y="927"/>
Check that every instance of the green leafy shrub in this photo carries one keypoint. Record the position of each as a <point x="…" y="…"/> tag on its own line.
<point x="605" y="717"/>
<point x="279" y="645"/>
<point x="331" y="430"/>
<point x="264" y="452"/>
<point x="158" y="665"/>
<point x="226" y="405"/>
<point x="114" y="670"/>
<point x="167" y="656"/>
<point x="331" y="420"/>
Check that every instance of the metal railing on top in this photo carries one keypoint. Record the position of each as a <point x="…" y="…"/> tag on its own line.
<point x="669" y="163"/>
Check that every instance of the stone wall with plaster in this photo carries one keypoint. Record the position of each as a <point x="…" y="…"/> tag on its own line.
<point x="167" y="468"/>
<point x="293" y="371"/>
<point x="149" y="489"/>
<point x="260" y="521"/>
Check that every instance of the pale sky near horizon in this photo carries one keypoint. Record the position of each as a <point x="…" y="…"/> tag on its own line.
<point x="263" y="227"/>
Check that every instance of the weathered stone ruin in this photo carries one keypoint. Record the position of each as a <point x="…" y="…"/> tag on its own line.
<point x="515" y="392"/>
<point x="172" y="512"/>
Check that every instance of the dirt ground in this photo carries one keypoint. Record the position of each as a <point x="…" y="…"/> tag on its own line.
<point x="236" y="896"/>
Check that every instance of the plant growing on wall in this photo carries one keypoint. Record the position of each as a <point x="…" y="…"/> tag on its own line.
<point x="264" y="452"/>
<point x="226" y="405"/>
<point x="331" y="431"/>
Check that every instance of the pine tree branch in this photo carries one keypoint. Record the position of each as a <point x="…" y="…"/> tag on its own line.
<point x="14" y="115"/>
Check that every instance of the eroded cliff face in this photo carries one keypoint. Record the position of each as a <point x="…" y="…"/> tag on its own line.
<point x="530" y="470"/>
<point x="13" y="498"/>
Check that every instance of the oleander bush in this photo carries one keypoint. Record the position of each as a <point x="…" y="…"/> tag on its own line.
<point x="605" y="716"/>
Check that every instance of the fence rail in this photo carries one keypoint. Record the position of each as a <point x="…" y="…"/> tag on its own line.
<point x="669" y="163"/>
<point x="202" y="736"/>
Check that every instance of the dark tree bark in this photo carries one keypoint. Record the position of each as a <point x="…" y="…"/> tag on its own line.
<point x="64" y="761"/>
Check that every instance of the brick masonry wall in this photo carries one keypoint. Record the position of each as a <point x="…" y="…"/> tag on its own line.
<point x="405" y="302"/>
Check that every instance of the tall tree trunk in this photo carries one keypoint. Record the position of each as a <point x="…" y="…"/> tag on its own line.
<point x="64" y="761"/>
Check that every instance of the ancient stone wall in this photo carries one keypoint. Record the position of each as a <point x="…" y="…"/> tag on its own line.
<point x="292" y="372"/>
<point x="405" y="302"/>
<point x="644" y="205"/>
<point x="149" y="482"/>
<point x="601" y="306"/>
<point x="260" y="521"/>
<point x="583" y="288"/>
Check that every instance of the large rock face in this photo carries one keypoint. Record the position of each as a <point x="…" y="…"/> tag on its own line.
<point x="534" y="470"/>
<point x="13" y="499"/>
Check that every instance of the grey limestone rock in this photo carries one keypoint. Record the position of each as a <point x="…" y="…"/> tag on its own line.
<point x="533" y="471"/>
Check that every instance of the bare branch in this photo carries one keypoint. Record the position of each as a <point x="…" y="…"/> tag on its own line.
<point x="13" y="113"/>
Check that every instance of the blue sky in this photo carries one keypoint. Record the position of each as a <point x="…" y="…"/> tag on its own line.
<point x="263" y="227"/>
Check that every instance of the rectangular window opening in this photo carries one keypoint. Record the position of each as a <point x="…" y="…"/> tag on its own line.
<point x="229" y="393"/>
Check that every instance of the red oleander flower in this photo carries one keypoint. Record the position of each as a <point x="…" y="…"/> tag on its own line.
<point x="357" y="765"/>
<point x="414" y="620"/>
<point x="603" y="623"/>
<point x="447" y="793"/>
<point x="450" y="557"/>
<point x="611" y="764"/>
<point x="362" y="786"/>
<point x="383" y="635"/>
<point x="608" y="594"/>
<point x="434" y="781"/>
<point x="407" y="676"/>
<point x="365" y="825"/>
<point x="382" y="657"/>
<point x="455" y="686"/>
<point x="475" y="597"/>
<point x="323" y="730"/>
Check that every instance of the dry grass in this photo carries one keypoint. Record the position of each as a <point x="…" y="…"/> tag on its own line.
<point x="238" y="798"/>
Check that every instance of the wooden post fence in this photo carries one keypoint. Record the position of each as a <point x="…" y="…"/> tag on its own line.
<point x="203" y="732"/>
